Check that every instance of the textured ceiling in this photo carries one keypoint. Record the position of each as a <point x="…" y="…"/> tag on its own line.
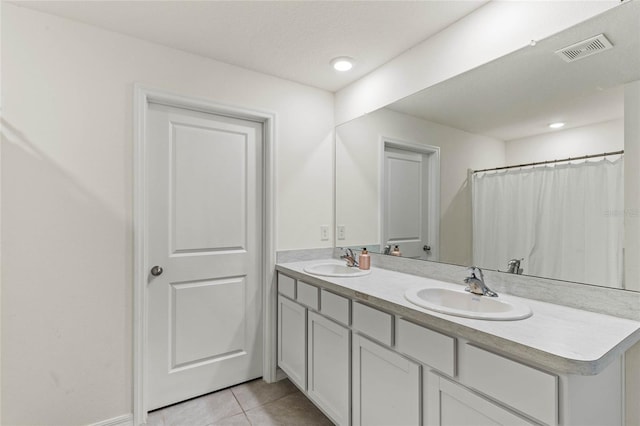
<point x="510" y="98"/>
<point x="294" y="40"/>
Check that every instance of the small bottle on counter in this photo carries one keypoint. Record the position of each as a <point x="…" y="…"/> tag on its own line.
<point x="364" y="260"/>
<point x="396" y="251"/>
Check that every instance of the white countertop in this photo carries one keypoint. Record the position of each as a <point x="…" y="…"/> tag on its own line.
<point x="556" y="337"/>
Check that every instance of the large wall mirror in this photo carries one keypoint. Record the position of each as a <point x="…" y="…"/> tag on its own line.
<point x="410" y="174"/>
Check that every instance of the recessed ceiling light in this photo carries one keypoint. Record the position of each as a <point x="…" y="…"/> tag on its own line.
<point x="343" y="63"/>
<point x="556" y="125"/>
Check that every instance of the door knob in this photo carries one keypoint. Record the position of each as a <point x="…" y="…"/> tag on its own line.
<point x="157" y="270"/>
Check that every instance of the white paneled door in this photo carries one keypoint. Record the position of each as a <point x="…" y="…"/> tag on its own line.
<point x="204" y="204"/>
<point x="405" y="202"/>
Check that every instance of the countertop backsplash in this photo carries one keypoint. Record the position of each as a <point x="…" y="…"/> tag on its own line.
<point x="616" y="302"/>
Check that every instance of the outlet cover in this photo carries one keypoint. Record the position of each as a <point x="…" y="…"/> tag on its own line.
<point x="324" y="233"/>
<point x="342" y="232"/>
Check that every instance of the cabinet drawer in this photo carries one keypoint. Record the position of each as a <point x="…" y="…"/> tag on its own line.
<point x="334" y="306"/>
<point x="432" y="348"/>
<point x="308" y="295"/>
<point x="286" y="286"/>
<point x="524" y="388"/>
<point x="373" y="323"/>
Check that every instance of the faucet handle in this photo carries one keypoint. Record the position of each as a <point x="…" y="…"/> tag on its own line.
<point x="476" y="272"/>
<point x="349" y="256"/>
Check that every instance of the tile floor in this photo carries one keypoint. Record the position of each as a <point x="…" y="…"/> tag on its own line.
<point x="254" y="403"/>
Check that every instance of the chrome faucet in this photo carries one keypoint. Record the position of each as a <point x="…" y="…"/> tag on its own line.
<point x="476" y="283"/>
<point x="349" y="257"/>
<point x="514" y="266"/>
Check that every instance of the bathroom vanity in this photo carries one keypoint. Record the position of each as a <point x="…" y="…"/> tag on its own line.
<point x="367" y="356"/>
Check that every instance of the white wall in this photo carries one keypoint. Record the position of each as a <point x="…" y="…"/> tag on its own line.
<point x="67" y="201"/>
<point x="632" y="235"/>
<point x="492" y="31"/>
<point x="632" y="188"/>
<point x="586" y="140"/>
<point x="358" y="184"/>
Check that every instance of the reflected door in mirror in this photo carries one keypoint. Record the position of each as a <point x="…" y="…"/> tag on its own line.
<point x="405" y="202"/>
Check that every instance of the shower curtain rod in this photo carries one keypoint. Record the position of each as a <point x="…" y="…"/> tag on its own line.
<point x="584" y="157"/>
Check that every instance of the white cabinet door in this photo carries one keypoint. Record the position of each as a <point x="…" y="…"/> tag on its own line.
<point x="450" y="404"/>
<point x="292" y="340"/>
<point x="328" y="367"/>
<point x="386" y="386"/>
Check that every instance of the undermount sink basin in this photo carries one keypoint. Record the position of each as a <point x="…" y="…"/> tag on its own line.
<point x="335" y="270"/>
<point x="464" y="304"/>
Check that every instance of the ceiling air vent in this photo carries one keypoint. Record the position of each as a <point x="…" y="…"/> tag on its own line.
<point x="584" y="48"/>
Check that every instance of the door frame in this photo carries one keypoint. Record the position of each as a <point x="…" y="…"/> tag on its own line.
<point x="142" y="97"/>
<point x="433" y="164"/>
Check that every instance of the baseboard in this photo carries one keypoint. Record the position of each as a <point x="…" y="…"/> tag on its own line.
<point x="124" y="420"/>
<point x="280" y="375"/>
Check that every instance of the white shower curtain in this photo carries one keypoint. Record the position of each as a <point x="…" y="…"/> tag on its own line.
<point x="566" y="221"/>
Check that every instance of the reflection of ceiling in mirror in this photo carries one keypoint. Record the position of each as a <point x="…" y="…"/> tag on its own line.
<point x="520" y="94"/>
